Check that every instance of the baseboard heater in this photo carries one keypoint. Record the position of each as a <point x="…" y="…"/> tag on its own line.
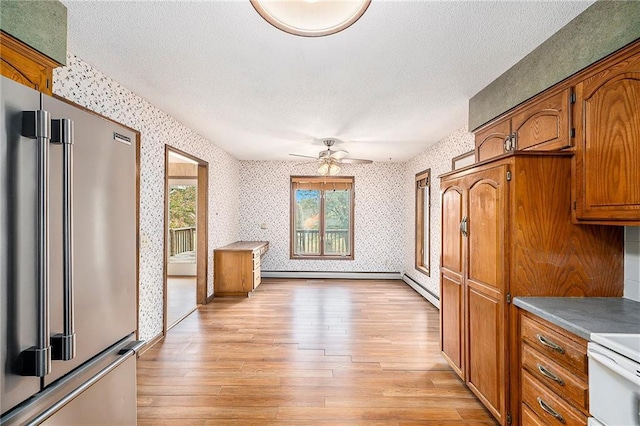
<point x="329" y="275"/>
<point x="433" y="298"/>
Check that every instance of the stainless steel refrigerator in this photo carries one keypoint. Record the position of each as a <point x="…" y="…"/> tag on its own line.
<point x="67" y="264"/>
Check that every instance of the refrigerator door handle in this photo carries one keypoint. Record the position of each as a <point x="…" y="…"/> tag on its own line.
<point x="124" y="354"/>
<point x="64" y="344"/>
<point x="36" y="360"/>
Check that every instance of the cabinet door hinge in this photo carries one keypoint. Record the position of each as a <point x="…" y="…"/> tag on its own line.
<point x="572" y="98"/>
<point x="573" y="132"/>
<point x="574" y="205"/>
<point x="48" y="83"/>
<point x="508" y="175"/>
<point x="508" y="418"/>
<point x="508" y="297"/>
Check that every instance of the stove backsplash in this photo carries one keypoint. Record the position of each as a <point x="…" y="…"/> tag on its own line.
<point x="632" y="262"/>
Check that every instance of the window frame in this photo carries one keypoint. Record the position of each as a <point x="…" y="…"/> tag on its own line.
<point x="321" y="256"/>
<point x="420" y="244"/>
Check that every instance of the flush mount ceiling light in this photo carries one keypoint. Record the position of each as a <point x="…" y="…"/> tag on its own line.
<point x="311" y="18"/>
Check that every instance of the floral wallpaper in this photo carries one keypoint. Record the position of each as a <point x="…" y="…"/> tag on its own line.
<point x="438" y="158"/>
<point x="81" y="83"/>
<point x="243" y="195"/>
<point x="379" y="215"/>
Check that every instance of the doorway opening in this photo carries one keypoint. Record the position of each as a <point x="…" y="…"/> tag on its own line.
<point x="185" y="235"/>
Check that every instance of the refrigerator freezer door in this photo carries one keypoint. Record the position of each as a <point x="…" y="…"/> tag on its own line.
<point x="104" y="234"/>
<point x="100" y="392"/>
<point x="111" y="401"/>
<point x="18" y="242"/>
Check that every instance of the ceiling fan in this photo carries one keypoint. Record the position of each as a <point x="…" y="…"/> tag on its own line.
<point x="329" y="160"/>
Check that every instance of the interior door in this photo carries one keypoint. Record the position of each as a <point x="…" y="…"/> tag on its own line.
<point x="451" y="277"/>
<point x="18" y="242"/>
<point x="486" y="273"/>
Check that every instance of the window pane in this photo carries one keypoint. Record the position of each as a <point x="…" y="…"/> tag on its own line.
<point x="426" y="228"/>
<point x="307" y="222"/>
<point x="337" y="210"/>
<point x="423" y="222"/>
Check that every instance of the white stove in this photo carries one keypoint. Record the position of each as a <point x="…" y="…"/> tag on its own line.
<point x="614" y="379"/>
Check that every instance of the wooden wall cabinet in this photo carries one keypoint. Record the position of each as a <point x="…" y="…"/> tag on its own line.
<point x="507" y="232"/>
<point x="606" y="168"/>
<point x="25" y="65"/>
<point x="542" y="124"/>
<point x="596" y="114"/>
<point x="554" y="382"/>
<point x="236" y="268"/>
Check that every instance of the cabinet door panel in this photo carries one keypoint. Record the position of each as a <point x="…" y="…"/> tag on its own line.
<point x="451" y="236"/>
<point x="486" y="356"/>
<point x="25" y="65"/>
<point x="606" y="168"/>
<point x="484" y="288"/>
<point x="490" y="141"/>
<point x="486" y="224"/>
<point x="451" y="311"/>
<point x="544" y="125"/>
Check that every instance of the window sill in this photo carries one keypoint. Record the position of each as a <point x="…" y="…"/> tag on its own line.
<point x="423" y="270"/>
<point x="299" y="257"/>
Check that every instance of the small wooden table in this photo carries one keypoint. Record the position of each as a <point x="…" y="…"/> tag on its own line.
<point x="236" y="268"/>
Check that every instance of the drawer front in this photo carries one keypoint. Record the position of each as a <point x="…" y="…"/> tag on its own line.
<point x="256" y="262"/>
<point x="554" y="345"/>
<point x="549" y="407"/>
<point x="529" y="418"/>
<point x="256" y="278"/>
<point x="557" y="378"/>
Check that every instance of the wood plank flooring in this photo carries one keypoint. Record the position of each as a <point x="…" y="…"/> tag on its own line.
<point x="297" y="352"/>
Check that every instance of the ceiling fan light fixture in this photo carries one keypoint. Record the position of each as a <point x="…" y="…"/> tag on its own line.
<point x="311" y="18"/>
<point x="330" y="169"/>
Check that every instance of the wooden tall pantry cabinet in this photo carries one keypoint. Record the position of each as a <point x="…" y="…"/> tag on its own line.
<point x="507" y="232"/>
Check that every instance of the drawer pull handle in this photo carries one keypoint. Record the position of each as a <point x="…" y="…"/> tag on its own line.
<point x="543" y="370"/>
<point x="550" y="410"/>
<point x="548" y="343"/>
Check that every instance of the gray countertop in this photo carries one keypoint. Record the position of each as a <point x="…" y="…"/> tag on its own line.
<point x="585" y="315"/>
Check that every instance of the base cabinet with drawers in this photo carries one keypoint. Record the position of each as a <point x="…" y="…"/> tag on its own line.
<point x="554" y="385"/>
<point x="236" y="268"/>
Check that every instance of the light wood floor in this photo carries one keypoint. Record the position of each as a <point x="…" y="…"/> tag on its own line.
<point x="314" y="352"/>
<point x="181" y="298"/>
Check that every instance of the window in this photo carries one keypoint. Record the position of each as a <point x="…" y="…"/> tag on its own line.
<point x="423" y="224"/>
<point x="321" y="217"/>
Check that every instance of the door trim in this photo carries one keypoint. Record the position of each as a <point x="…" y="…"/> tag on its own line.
<point x="202" y="231"/>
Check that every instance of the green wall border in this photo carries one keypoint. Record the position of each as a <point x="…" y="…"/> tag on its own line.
<point x="41" y="24"/>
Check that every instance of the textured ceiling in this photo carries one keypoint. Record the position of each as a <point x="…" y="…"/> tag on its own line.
<point x="395" y="82"/>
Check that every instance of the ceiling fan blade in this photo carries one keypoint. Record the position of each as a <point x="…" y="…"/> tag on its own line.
<point x="355" y="161"/>
<point x="305" y="162"/>
<point x="339" y="154"/>
<point x="303" y="156"/>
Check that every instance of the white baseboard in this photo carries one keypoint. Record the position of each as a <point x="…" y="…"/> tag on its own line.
<point x="422" y="292"/>
<point x="328" y="275"/>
